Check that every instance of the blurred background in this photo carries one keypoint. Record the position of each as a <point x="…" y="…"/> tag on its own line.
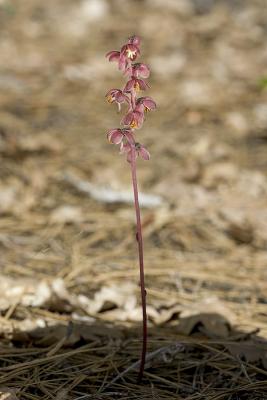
<point x="65" y="193"/>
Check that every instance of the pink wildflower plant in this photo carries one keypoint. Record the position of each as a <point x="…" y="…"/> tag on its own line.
<point x="134" y="117"/>
<point x="137" y="107"/>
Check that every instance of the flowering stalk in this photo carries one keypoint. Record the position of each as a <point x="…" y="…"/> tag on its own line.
<point x="125" y="137"/>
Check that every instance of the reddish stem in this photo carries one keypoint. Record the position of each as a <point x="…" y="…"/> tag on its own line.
<point x="141" y="261"/>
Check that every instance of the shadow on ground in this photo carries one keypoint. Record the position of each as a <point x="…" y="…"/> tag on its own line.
<point x="100" y="361"/>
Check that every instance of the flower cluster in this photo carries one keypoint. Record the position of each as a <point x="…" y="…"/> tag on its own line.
<point x="136" y="74"/>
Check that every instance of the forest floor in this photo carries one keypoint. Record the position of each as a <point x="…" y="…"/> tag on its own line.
<point x="70" y="316"/>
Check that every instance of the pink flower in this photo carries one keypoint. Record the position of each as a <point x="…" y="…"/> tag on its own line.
<point x="117" y="96"/>
<point x="139" y="150"/>
<point x="119" y="58"/>
<point x="136" y="84"/>
<point x="134" y="119"/>
<point x="140" y="70"/>
<point x="126" y="55"/>
<point x="116" y="136"/>
<point x="130" y="51"/>
<point x="145" y="104"/>
<point x="132" y="48"/>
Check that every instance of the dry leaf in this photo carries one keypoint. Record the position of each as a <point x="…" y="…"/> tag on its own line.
<point x="113" y="301"/>
<point x="214" y="325"/>
<point x="210" y="314"/>
<point x="31" y="293"/>
<point x="252" y="350"/>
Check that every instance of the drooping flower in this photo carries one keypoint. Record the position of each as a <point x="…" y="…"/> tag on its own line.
<point x="137" y="150"/>
<point x="119" y="58"/>
<point x="134" y="119"/>
<point x="132" y="48"/>
<point x="117" y="96"/>
<point x="140" y="70"/>
<point x="128" y="53"/>
<point x="136" y="84"/>
<point x="145" y="104"/>
<point x="115" y="136"/>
